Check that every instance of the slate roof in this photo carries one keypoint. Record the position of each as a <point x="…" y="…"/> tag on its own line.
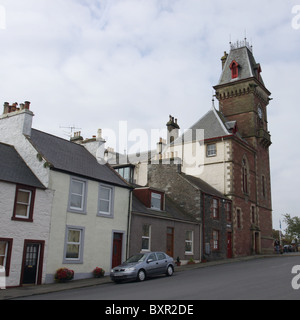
<point x="204" y="186"/>
<point x="172" y="211"/>
<point x="14" y="169"/>
<point x="212" y="124"/>
<point x="67" y="156"/>
<point x="247" y="65"/>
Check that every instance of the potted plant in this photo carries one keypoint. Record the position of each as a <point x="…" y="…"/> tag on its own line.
<point x="98" y="272"/>
<point x="63" y="275"/>
<point x="204" y="259"/>
<point x="178" y="262"/>
<point x="191" y="261"/>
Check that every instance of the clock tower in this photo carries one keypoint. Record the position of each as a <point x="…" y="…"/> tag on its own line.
<point x="243" y="100"/>
<point x="242" y="94"/>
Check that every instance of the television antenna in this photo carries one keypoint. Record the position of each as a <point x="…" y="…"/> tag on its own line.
<point x="71" y="129"/>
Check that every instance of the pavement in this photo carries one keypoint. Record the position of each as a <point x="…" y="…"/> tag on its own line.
<point x="25" y="291"/>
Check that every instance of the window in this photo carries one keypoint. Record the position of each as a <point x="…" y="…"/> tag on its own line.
<point x="263" y="185"/>
<point x="5" y="254"/>
<point x="152" y="256"/>
<point x="216" y="240"/>
<point x="215" y="209"/>
<point x="24" y="203"/>
<point x="238" y="219"/>
<point x="228" y="211"/>
<point x="234" y="69"/>
<point x="189" y="242"/>
<point x="77" y="197"/>
<point x="245" y="176"/>
<point x="146" y="237"/>
<point x="155" y="201"/>
<point x="126" y="173"/>
<point x="211" y="150"/>
<point x="253" y="215"/>
<point x="161" y="256"/>
<point x="74" y="245"/>
<point x="105" y="207"/>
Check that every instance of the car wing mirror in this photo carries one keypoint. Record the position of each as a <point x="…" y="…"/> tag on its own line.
<point x="149" y="260"/>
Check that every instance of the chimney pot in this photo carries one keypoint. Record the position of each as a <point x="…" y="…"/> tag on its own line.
<point x="99" y="133"/>
<point x="6" y="107"/>
<point x="14" y="107"/>
<point x="27" y="104"/>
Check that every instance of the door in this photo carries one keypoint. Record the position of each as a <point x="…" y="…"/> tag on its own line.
<point x="152" y="264"/>
<point x="31" y="263"/>
<point x="256" y="245"/>
<point x="117" y="249"/>
<point x="162" y="262"/>
<point x="229" y="245"/>
<point x="170" y="242"/>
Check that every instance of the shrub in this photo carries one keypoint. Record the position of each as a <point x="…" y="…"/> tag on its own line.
<point x="64" y="274"/>
<point x="98" y="272"/>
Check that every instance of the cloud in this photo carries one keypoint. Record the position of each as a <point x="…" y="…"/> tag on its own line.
<point x="93" y="63"/>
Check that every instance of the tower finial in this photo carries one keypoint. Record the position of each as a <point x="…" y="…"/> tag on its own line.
<point x="213" y="101"/>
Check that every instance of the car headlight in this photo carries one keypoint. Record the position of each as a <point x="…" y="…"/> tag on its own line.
<point x="129" y="269"/>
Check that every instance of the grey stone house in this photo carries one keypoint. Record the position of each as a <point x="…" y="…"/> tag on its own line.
<point x="207" y="205"/>
<point x="159" y="224"/>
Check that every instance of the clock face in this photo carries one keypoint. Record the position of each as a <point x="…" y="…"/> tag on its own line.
<point x="259" y="112"/>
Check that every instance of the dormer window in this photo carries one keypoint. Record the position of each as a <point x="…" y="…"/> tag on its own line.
<point x="155" y="201"/>
<point x="234" y="67"/>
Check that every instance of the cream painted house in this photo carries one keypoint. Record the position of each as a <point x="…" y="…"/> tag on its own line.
<point x="88" y="214"/>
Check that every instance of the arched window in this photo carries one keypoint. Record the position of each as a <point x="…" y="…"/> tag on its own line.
<point x="245" y="175"/>
<point x="234" y="67"/>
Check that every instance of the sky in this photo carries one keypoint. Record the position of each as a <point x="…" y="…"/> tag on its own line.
<point x="112" y="64"/>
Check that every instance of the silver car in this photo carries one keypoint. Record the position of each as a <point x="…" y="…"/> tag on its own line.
<point x="141" y="265"/>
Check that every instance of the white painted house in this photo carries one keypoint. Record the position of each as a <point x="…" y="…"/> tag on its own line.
<point x="90" y="206"/>
<point x="25" y="212"/>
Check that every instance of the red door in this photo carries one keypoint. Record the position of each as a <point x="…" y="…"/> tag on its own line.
<point x="170" y="242"/>
<point x="117" y="249"/>
<point x="229" y="245"/>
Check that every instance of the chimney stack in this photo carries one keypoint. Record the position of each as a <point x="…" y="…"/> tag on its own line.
<point x="173" y="129"/>
<point x="14" y="107"/>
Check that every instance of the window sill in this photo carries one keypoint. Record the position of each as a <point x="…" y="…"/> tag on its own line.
<point x="105" y="215"/>
<point x="22" y="219"/>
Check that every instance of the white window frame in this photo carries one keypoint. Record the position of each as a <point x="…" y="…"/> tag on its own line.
<point x="80" y="244"/>
<point x="146" y="237"/>
<point x="5" y="253"/>
<point x="156" y="196"/>
<point x="82" y="208"/>
<point x="24" y="204"/>
<point x="216" y="242"/>
<point x="215" y="208"/>
<point x="110" y="212"/>
<point x="190" y="242"/>
<point x="211" y="150"/>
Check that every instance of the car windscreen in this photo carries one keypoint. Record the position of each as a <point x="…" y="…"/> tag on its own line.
<point x="136" y="258"/>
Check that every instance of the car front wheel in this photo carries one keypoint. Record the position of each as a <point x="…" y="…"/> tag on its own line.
<point x="170" y="271"/>
<point x="141" y="275"/>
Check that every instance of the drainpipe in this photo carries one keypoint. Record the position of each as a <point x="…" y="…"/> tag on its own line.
<point x="129" y="222"/>
<point x="203" y="225"/>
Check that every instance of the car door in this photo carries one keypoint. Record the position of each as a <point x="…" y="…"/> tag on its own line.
<point x="151" y="264"/>
<point x="162" y="262"/>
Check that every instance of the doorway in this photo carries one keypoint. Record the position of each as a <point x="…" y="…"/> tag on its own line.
<point x="117" y="249"/>
<point x="32" y="265"/>
<point x="229" y="245"/>
<point x="170" y="242"/>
